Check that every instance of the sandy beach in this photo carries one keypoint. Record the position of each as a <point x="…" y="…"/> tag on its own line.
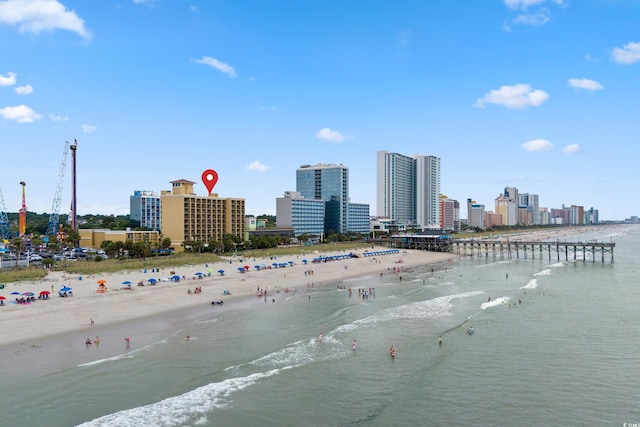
<point x="89" y="309"/>
<point x="26" y="324"/>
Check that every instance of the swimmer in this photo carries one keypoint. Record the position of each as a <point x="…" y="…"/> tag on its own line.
<point x="320" y="338"/>
<point x="187" y="338"/>
<point x="353" y="345"/>
<point x="97" y="340"/>
<point x="392" y="352"/>
<point x="440" y="340"/>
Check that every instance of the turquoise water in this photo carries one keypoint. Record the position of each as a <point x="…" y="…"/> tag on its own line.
<point x="566" y="355"/>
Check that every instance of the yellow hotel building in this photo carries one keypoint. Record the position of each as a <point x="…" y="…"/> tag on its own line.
<point x="186" y="216"/>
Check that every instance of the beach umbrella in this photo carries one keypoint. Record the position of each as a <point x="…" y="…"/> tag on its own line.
<point x="101" y="282"/>
<point x="65" y="289"/>
<point x="221" y="272"/>
<point x="257" y="267"/>
<point x="241" y="269"/>
<point x="126" y="282"/>
<point x="246" y="267"/>
<point x="198" y="274"/>
<point x="290" y="262"/>
<point x="152" y="280"/>
<point x="44" y="292"/>
<point x="175" y="278"/>
<point x="15" y="293"/>
<point x="304" y="261"/>
<point x="27" y="294"/>
<point x="2" y="298"/>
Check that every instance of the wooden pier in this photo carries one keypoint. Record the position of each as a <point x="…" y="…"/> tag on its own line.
<point x="566" y="251"/>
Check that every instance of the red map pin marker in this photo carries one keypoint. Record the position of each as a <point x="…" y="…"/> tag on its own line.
<point x="209" y="179"/>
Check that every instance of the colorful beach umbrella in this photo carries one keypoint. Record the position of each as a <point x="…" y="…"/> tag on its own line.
<point x="152" y="280"/>
<point x="44" y="292"/>
<point x="221" y="272"/>
<point x="65" y="289"/>
<point x="15" y="293"/>
<point x="101" y="282"/>
<point x="2" y="298"/>
<point x="126" y="282"/>
<point x="199" y="273"/>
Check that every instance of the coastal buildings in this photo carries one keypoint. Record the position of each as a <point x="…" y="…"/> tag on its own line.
<point x="408" y="189"/>
<point x="329" y="183"/>
<point x="449" y="213"/>
<point x="189" y="217"/>
<point x="144" y="207"/>
<point x="306" y="216"/>
<point x="475" y="214"/>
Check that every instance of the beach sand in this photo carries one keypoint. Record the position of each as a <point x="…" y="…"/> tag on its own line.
<point x="89" y="311"/>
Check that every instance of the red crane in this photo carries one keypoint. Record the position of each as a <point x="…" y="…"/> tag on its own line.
<point x="23" y="212"/>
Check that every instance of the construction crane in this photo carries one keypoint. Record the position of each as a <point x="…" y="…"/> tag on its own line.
<point x="5" y="227"/>
<point x="22" y="228"/>
<point x="54" y="217"/>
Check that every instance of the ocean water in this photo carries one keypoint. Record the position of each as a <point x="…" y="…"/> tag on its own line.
<point x="555" y="343"/>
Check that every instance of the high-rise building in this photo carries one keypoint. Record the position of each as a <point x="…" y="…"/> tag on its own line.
<point x="507" y="205"/>
<point x="305" y="216"/>
<point x="359" y="219"/>
<point x="331" y="184"/>
<point x="144" y="207"/>
<point x="449" y="214"/>
<point x="475" y="214"/>
<point x="408" y="189"/>
<point x="428" y="191"/>
<point x="189" y="217"/>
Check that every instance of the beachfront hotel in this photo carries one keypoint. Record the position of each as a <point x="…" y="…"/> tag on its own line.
<point x="189" y="217"/>
<point x="408" y="189"/>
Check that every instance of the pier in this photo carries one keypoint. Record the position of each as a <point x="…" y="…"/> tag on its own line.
<point x="567" y="251"/>
<point x="506" y="249"/>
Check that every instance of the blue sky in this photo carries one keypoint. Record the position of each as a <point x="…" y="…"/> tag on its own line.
<point x="541" y="95"/>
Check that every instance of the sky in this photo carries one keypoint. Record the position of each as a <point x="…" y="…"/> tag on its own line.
<point x="541" y="95"/>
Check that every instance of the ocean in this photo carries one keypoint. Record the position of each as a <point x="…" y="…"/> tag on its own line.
<point x="554" y="343"/>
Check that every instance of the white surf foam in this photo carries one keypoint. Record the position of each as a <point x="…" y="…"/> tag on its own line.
<point x="190" y="408"/>
<point x="493" y="303"/>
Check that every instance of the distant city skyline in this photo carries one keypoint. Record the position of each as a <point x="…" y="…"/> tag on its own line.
<point x="535" y="94"/>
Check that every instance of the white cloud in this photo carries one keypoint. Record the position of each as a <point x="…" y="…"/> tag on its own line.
<point x="589" y="58"/>
<point x="220" y="66"/>
<point x="571" y="149"/>
<point x="267" y="108"/>
<point x="41" y="15"/>
<point x="330" y="135"/>
<point x="24" y="90"/>
<point x="538" y="145"/>
<point x="627" y="55"/>
<point x="404" y="39"/>
<point x="523" y="4"/>
<point x="55" y="118"/>
<point x="89" y="128"/>
<point x="20" y="113"/>
<point x="586" y="84"/>
<point x="516" y="96"/>
<point x="257" y="166"/>
<point x="8" y="80"/>
<point x="535" y="19"/>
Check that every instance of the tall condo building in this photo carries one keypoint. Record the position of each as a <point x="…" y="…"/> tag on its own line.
<point x="144" y="207"/>
<point x="331" y="184"/>
<point x="408" y="189"/>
